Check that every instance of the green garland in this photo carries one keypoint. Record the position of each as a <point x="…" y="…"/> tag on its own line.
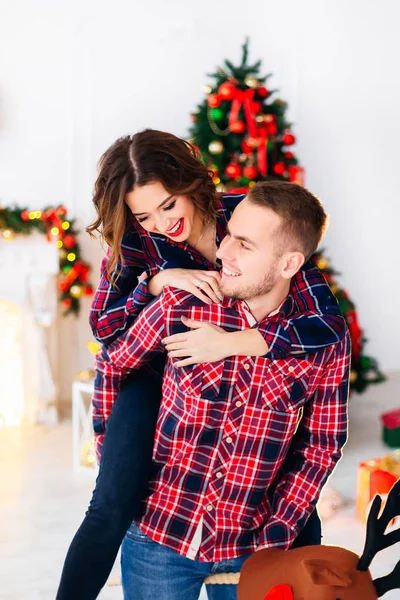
<point x="55" y="225"/>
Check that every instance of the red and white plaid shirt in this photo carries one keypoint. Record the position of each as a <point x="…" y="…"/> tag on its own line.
<point x="225" y="429"/>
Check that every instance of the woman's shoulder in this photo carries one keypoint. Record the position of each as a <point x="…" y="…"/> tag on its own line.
<point x="230" y="201"/>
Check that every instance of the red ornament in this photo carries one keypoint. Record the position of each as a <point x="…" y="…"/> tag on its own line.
<point x="246" y="147"/>
<point x="288" y="139"/>
<point x="88" y="290"/>
<point x="279" y="168"/>
<point x="194" y="118"/>
<point x="272" y="128"/>
<point x="25" y="215"/>
<point x="250" y="172"/>
<point x="67" y="302"/>
<point x="226" y="90"/>
<point x="289" y="155"/>
<point x="237" y="126"/>
<point x="69" y="241"/>
<point x="262" y="91"/>
<point x="213" y="100"/>
<point x="233" y="170"/>
<point x="256" y="107"/>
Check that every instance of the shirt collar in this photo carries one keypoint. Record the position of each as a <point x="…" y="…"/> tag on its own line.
<point x="282" y="312"/>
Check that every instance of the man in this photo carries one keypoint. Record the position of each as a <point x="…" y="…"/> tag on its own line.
<point x="244" y="445"/>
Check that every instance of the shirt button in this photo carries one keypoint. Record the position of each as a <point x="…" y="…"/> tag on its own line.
<point x="229" y="440"/>
<point x="219" y="475"/>
<point x="209" y="507"/>
<point x="238" y="404"/>
<point x="247" y="366"/>
<point x="291" y="369"/>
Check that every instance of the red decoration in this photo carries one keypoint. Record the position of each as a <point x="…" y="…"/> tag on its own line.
<point x="233" y="170"/>
<point x="194" y="118"/>
<point x="25" y="215"/>
<point x="227" y="90"/>
<point x="237" y="126"/>
<point x="296" y="174"/>
<point x="213" y="100"/>
<point x="355" y="333"/>
<point x="262" y="91"/>
<point x="280" y="592"/>
<point x="250" y="172"/>
<point x="246" y="147"/>
<point x="67" y="302"/>
<point x="63" y="286"/>
<point x="62" y="210"/>
<point x="256" y="106"/>
<point x="289" y="155"/>
<point x="88" y="290"/>
<point x="288" y="139"/>
<point x="69" y="241"/>
<point x="279" y="168"/>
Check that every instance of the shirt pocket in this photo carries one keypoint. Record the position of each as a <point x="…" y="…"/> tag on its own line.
<point x="288" y="384"/>
<point x="201" y="380"/>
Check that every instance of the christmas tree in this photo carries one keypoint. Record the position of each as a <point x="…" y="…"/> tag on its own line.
<point x="243" y="136"/>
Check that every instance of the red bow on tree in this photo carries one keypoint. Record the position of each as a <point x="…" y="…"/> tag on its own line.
<point x="280" y="592"/>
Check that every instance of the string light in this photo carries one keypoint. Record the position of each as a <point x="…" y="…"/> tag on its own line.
<point x="31" y="216"/>
<point x="38" y="214"/>
<point x="55" y="231"/>
<point x="71" y="257"/>
<point x="65" y="225"/>
<point x="59" y="244"/>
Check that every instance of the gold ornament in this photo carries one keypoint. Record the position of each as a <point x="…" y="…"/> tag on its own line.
<point x="216" y="147"/>
<point x="93" y="347"/>
<point x="207" y="89"/>
<point x="63" y="254"/>
<point x="353" y="376"/>
<point x="322" y="264"/>
<point x="76" y="291"/>
<point x="260" y="118"/>
<point x="243" y="158"/>
<point x="8" y="235"/>
<point x="251" y="82"/>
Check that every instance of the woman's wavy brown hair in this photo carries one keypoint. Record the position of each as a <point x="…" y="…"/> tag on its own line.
<point x="146" y="157"/>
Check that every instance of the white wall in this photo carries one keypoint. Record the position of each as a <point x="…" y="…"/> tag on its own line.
<point x="73" y="77"/>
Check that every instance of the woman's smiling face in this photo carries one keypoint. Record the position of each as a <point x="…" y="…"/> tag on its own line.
<point x="159" y="212"/>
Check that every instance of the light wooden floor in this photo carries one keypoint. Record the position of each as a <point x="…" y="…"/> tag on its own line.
<point x="42" y="501"/>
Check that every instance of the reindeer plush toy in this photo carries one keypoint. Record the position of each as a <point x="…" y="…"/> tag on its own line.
<point x="325" y="572"/>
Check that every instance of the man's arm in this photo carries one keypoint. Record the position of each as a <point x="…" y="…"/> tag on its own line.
<point x="318" y="446"/>
<point x="113" y="363"/>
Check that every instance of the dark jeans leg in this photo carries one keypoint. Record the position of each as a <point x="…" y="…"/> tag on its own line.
<point x="311" y="534"/>
<point x="121" y="487"/>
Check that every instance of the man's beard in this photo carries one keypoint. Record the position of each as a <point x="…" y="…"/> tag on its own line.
<point x="250" y="291"/>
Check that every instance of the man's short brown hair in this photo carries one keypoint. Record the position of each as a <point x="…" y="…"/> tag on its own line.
<point x="304" y="219"/>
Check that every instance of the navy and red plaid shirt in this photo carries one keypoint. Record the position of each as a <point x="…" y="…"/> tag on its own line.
<point x="225" y="429"/>
<point x="318" y="324"/>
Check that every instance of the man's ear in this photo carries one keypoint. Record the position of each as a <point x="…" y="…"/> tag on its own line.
<point x="292" y="262"/>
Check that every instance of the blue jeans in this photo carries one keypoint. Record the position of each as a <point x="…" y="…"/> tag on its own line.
<point x="153" y="572"/>
<point x="121" y="486"/>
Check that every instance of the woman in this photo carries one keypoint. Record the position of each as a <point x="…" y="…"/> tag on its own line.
<point x="160" y="215"/>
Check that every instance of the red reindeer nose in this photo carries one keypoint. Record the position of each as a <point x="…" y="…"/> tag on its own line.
<point x="280" y="592"/>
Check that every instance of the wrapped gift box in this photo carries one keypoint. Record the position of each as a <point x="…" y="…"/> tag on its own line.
<point x="391" y="428"/>
<point x="375" y="476"/>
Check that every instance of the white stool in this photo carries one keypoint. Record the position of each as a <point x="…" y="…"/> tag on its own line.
<point x="83" y="453"/>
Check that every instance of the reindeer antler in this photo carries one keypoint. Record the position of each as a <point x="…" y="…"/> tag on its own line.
<point x="389" y="582"/>
<point x="376" y="540"/>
